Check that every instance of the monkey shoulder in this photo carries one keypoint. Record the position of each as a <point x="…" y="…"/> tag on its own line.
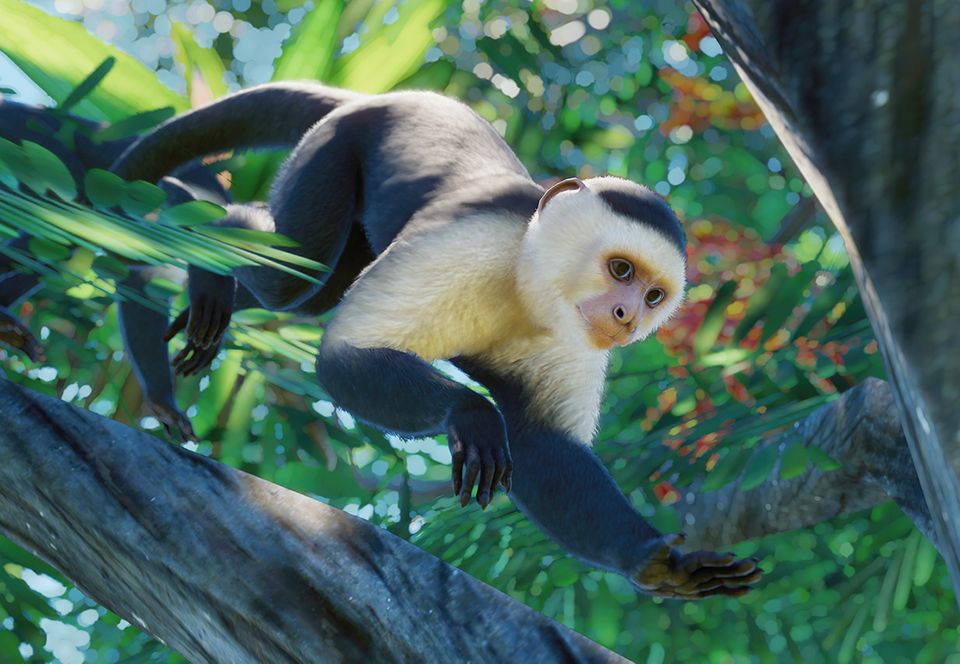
<point x="439" y="290"/>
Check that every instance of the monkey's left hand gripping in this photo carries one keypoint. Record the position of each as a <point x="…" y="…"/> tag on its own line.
<point x="206" y="319"/>
<point x="14" y="333"/>
<point x="667" y="572"/>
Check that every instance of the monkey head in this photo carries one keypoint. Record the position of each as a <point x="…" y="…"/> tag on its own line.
<point x="603" y="260"/>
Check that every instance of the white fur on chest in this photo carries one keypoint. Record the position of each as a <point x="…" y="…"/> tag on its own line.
<point x="565" y="381"/>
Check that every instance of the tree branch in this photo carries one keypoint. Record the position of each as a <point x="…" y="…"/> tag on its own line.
<point x="861" y="96"/>
<point x="862" y="432"/>
<point x="225" y="567"/>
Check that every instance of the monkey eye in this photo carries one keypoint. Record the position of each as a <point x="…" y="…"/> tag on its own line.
<point x="621" y="269"/>
<point x="654" y="296"/>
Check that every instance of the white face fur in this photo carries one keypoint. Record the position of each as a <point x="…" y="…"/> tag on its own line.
<point x="564" y="261"/>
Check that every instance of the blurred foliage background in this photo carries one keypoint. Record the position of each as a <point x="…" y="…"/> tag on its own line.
<point x="773" y="327"/>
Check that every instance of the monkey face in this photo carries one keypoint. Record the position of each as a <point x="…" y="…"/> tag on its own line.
<point x="595" y="273"/>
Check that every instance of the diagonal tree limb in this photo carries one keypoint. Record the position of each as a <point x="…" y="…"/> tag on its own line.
<point x="225" y="567"/>
<point x="862" y="432"/>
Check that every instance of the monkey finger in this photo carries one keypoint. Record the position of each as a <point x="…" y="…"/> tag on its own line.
<point x="698" y="559"/>
<point x="732" y="581"/>
<point x="182" y="356"/>
<point x="221" y="329"/>
<point x="507" y="474"/>
<point x="177" y="325"/>
<point x="457" y="462"/>
<point x="699" y="583"/>
<point x="209" y="335"/>
<point x="676" y="539"/>
<point x="499" y="466"/>
<point x="728" y="592"/>
<point x="185" y="428"/>
<point x="485" y="485"/>
<point x="201" y="358"/>
<point x="199" y="321"/>
<point x="470" y="476"/>
<point x="212" y="333"/>
<point x="741" y="568"/>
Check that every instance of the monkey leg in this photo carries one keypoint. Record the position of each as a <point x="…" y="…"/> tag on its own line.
<point x="142" y="328"/>
<point x="315" y="202"/>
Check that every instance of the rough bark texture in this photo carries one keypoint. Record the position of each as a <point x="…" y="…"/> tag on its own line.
<point x="861" y="431"/>
<point x="225" y="567"/>
<point x="864" y="97"/>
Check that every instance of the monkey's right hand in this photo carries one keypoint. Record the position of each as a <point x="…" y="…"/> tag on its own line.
<point x="478" y="443"/>
<point x="205" y="320"/>
<point x="668" y="572"/>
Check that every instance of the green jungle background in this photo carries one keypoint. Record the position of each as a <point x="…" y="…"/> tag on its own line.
<point x="773" y="327"/>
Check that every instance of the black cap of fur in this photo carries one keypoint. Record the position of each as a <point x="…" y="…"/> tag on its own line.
<point x="642" y="205"/>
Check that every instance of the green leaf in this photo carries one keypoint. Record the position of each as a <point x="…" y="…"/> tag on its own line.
<point x="317" y="480"/>
<point x="390" y="53"/>
<point x="59" y="54"/>
<point x="759" y="467"/>
<point x="310" y="50"/>
<point x="110" y="268"/>
<point x="238" y="423"/>
<point x="192" y="213"/>
<point x="308" y="333"/>
<point x="103" y="188"/>
<point x="47" y="250"/>
<point x="87" y="85"/>
<point x="726" y="470"/>
<point x="432" y="76"/>
<point x="217" y="393"/>
<point x="134" y="125"/>
<point x="714" y="319"/>
<point x="927" y="558"/>
<point x="254" y="316"/>
<point x="196" y="61"/>
<point x="247" y="236"/>
<point x="141" y="198"/>
<point x="50" y="173"/>
<point x="564" y="572"/>
<point x="161" y="288"/>
<point x="760" y="301"/>
<point x="794" y="461"/>
<point x="788" y="297"/>
<point x="822" y="460"/>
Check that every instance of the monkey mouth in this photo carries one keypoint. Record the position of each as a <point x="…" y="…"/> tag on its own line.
<point x="600" y="337"/>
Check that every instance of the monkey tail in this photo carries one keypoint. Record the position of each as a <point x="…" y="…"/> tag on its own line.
<point x="271" y="115"/>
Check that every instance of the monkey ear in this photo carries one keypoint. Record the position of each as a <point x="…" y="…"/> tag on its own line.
<point x="570" y="184"/>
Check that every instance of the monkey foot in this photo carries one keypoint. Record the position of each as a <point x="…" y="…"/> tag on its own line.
<point x="175" y="421"/>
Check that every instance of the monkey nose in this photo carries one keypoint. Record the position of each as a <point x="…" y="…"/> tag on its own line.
<point x="623" y="315"/>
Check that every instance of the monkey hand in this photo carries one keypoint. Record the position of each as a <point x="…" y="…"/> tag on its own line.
<point x="667" y="572"/>
<point x="205" y="320"/>
<point x="15" y="334"/>
<point x="478" y="445"/>
<point x="174" y="420"/>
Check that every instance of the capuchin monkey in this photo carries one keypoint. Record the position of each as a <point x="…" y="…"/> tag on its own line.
<point x="444" y="248"/>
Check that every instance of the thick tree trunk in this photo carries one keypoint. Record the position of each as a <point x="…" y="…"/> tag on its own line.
<point x="864" y="97"/>
<point x="224" y="567"/>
